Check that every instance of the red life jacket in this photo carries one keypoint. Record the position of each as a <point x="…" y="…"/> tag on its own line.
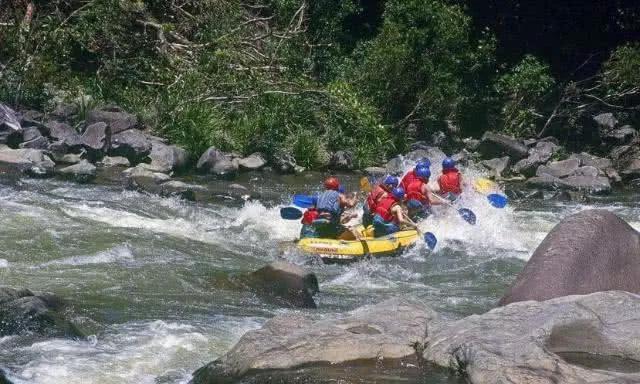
<point x="384" y="209"/>
<point x="408" y="179"/>
<point x="450" y="181"/>
<point x="374" y="196"/>
<point x="309" y="216"/>
<point x="414" y="192"/>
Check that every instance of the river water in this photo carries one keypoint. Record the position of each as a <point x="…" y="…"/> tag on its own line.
<point x="148" y="276"/>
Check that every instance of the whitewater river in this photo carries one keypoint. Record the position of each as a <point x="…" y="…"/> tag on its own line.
<point x="148" y="276"/>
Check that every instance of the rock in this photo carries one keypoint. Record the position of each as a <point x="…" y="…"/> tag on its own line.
<point x="23" y="312"/>
<point x="82" y="172"/>
<point x="216" y="162"/>
<point x="535" y="195"/>
<point x="117" y="161"/>
<point x="621" y="136"/>
<point x="375" y="171"/>
<point x="613" y="175"/>
<point x="626" y="159"/>
<point x="495" y="144"/>
<point x="434" y="154"/>
<point x="32" y="118"/>
<point x="587" y="171"/>
<point x="497" y="166"/>
<point x="30" y="133"/>
<point x="69" y="158"/>
<point x="141" y="178"/>
<point x="545" y="181"/>
<point x="40" y="142"/>
<point x="30" y="161"/>
<point x="440" y="139"/>
<point x="168" y="157"/>
<point x="593" y="184"/>
<point x="96" y="140"/>
<point x="471" y="144"/>
<point x="60" y="131"/>
<point x="590" y="251"/>
<point x="395" y="166"/>
<point x="541" y="342"/>
<point x="606" y="122"/>
<point x="538" y="155"/>
<point x="174" y="188"/>
<point x="286" y="284"/>
<point x="64" y="110"/>
<point x="561" y="168"/>
<point x="562" y="196"/>
<point x="9" y="124"/>
<point x="118" y="120"/>
<point x="132" y="144"/>
<point x="284" y="163"/>
<point x="376" y="334"/>
<point x="253" y="162"/>
<point x="341" y="160"/>
<point x="586" y="159"/>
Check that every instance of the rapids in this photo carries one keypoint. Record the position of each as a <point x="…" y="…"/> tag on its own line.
<point x="148" y="276"/>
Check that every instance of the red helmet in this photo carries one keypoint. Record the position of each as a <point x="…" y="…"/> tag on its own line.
<point x="332" y="183"/>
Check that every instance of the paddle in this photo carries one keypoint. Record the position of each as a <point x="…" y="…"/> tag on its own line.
<point x="485" y="186"/>
<point x="304" y="201"/>
<point x="429" y="238"/>
<point x="497" y="200"/>
<point x="467" y="215"/>
<point x="290" y="213"/>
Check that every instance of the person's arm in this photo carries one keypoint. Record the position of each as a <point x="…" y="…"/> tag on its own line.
<point x="397" y="212"/>
<point x="434" y="199"/>
<point x="348" y="202"/>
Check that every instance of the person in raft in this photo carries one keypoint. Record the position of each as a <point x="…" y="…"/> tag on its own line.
<point x="376" y="195"/>
<point x="411" y="175"/>
<point x="450" y="181"/>
<point x="389" y="214"/>
<point x="330" y="206"/>
<point x="419" y="197"/>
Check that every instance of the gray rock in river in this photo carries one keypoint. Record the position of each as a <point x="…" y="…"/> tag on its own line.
<point x="175" y="188"/>
<point x="96" y="140"/>
<point x="376" y="333"/>
<point x="544" y="342"/>
<point x="495" y="144"/>
<point x="253" y="162"/>
<point x="286" y="284"/>
<point x="142" y="178"/>
<point x="538" y="155"/>
<point x="23" y="312"/>
<point x="587" y="159"/>
<point x="82" y="172"/>
<point x="132" y="144"/>
<point x="560" y="168"/>
<point x="590" y="251"/>
<point x="115" y="161"/>
<point x="218" y="163"/>
<point x="9" y="124"/>
<point x="168" y="158"/>
<point x="117" y="119"/>
<point x="497" y="165"/>
<point x="30" y="161"/>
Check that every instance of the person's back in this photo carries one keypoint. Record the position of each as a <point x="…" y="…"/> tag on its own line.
<point x="385" y="221"/>
<point x="450" y="181"/>
<point x="415" y="191"/>
<point x="329" y="202"/>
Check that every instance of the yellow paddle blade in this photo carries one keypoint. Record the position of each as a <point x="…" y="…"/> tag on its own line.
<point x="484" y="185"/>
<point x="365" y="185"/>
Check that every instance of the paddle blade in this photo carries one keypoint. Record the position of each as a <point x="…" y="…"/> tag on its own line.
<point x="484" y="185"/>
<point x="497" y="200"/>
<point x="290" y="213"/>
<point x="304" y="201"/>
<point x="365" y="185"/>
<point x="430" y="240"/>
<point x="468" y="215"/>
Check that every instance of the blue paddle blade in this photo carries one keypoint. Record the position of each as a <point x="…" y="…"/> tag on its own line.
<point x="305" y="201"/>
<point x="467" y="215"/>
<point x="430" y="240"/>
<point x="497" y="200"/>
<point x="290" y="213"/>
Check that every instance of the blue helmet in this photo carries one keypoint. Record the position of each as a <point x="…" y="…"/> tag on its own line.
<point x="398" y="193"/>
<point x="390" y="180"/>
<point x="448" y="163"/>
<point x="423" y="163"/>
<point x="423" y="173"/>
<point x="341" y="189"/>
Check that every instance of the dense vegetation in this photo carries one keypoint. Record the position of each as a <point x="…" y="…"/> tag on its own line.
<point x="297" y="76"/>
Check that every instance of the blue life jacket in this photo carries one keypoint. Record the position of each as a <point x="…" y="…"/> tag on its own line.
<point x="329" y="201"/>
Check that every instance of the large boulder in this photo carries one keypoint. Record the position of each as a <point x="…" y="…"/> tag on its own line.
<point x="216" y="162"/>
<point x="495" y="144"/>
<point x="497" y="166"/>
<point x="606" y="122"/>
<point x="587" y="159"/>
<point x="9" y="124"/>
<point x="168" y="157"/>
<point x="60" y="131"/>
<point x="285" y="284"/>
<point x="574" y="339"/>
<point x="31" y="161"/>
<point x="434" y="154"/>
<point x="117" y="119"/>
<point x="286" y="164"/>
<point x="132" y="144"/>
<point x="32" y="138"/>
<point x="590" y="251"/>
<point x="562" y="168"/>
<point x="626" y="159"/>
<point x="253" y="162"/>
<point x="621" y="136"/>
<point x="375" y="334"/>
<point x="538" y="155"/>
<point x="82" y="172"/>
<point x="21" y="312"/>
<point x="341" y="160"/>
<point x="96" y="140"/>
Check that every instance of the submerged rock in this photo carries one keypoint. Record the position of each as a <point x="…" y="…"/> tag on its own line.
<point x="23" y="312"/>
<point x="285" y="284"/>
<point x="82" y="172"/>
<point x="376" y="333"/>
<point x="590" y="251"/>
<point x="533" y="342"/>
<point x="140" y="177"/>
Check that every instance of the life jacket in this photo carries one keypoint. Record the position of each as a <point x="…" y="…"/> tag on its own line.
<point x="414" y="192"/>
<point x="329" y="202"/>
<point x="450" y="181"/>
<point x="409" y="178"/>
<point x="309" y="216"/>
<point x="374" y="196"/>
<point x="384" y="209"/>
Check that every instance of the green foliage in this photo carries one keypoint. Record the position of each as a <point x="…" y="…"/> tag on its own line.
<point x="523" y="89"/>
<point x="621" y="72"/>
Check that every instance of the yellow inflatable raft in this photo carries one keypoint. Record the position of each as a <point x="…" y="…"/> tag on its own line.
<point x="332" y="250"/>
